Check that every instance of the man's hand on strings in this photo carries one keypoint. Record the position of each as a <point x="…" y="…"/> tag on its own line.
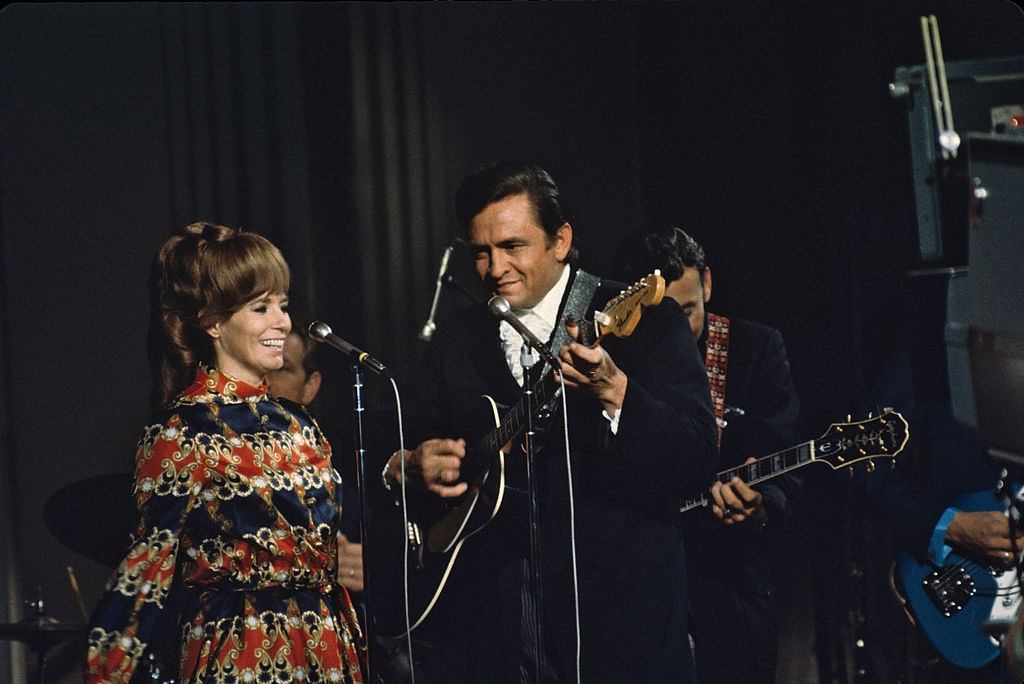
<point x="593" y="370"/>
<point x="984" y="535"/>
<point x="435" y="465"/>
<point x="735" y="503"/>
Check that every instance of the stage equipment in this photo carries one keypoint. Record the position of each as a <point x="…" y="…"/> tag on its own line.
<point x="984" y="96"/>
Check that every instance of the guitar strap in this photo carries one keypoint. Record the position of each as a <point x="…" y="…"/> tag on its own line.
<point x="581" y="293"/>
<point x="716" y="361"/>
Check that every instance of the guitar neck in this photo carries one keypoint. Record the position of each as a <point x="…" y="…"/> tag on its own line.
<point x="762" y="469"/>
<point x="514" y="421"/>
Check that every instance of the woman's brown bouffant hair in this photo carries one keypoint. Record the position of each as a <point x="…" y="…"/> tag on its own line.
<point x="203" y="274"/>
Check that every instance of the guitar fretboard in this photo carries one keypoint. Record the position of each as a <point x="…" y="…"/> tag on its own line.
<point x="760" y="470"/>
<point x="513" y="422"/>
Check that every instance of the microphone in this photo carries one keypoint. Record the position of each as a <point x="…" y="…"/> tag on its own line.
<point x="500" y="308"/>
<point x="429" y="327"/>
<point x="321" y="332"/>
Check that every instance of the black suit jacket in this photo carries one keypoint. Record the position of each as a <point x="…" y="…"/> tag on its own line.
<point x="627" y="488"/>
<point x="758" y="384"/>
<point x="731" y="573"/>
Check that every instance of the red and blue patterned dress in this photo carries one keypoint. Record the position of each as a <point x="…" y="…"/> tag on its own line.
<point x="236" y="548"/>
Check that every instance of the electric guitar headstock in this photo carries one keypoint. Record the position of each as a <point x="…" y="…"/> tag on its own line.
<point x="621" y="314"/>
<point x="846" y="444"/>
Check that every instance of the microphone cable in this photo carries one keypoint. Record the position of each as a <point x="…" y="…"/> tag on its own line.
<point x="405" y="533"/>
<point x="572" y="528"/>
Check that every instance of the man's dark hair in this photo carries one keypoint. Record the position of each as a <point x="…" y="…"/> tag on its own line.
<point x="670" y="250"/>
<point x="503" y="179"/>
<point x="300" y="327"/>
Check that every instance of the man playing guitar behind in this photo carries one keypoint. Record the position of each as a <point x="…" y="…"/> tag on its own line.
<point x="729" y="546"/>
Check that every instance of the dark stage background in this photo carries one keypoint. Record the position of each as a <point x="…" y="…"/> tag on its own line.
<point x="339" y="132"/>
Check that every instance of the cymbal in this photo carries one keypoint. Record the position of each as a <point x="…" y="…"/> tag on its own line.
<point x="94" y="517"/>
<point x="40" y="633"/>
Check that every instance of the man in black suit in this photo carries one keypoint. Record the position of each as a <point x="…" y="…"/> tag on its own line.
<point x="729" y="547"/>
<point x="642" y="436"/>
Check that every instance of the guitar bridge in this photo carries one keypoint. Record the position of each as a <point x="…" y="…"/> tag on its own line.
<point x="949" y="589"/>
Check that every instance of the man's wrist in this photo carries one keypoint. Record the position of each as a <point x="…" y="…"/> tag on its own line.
<point x="614" y="397"/>
<point x="943" y="535"/>
<point x="391" y="475"/>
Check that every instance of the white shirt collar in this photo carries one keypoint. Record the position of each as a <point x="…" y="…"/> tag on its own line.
<point x="547" y="308"/>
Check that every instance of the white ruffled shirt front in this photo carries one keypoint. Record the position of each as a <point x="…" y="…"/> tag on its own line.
<point x="541" y="321"/>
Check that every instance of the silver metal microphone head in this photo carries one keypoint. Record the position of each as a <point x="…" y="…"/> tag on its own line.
<point x="499" y="306"/>
<point x="319" y="330"/>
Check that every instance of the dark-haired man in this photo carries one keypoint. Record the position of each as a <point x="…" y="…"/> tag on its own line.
<point x="298" y="379"/>
<point x="729" y="548"/>
<point x="641" y="433"/>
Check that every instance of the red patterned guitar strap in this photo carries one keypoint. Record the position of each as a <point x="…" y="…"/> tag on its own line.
<point x="716" y="361"/>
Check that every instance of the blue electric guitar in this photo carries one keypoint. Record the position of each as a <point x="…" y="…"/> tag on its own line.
<point x="951" y="602"/>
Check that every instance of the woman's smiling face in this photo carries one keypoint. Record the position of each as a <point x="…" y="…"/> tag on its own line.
<point x="250" y="343"/>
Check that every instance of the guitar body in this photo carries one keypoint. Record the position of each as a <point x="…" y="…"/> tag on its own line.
<point x="439" y="561"/>
<point x="974" y="593"/>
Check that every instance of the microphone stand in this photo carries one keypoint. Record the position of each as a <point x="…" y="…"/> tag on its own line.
<point x="526" y="359"/>
<point x="364" y="513"/>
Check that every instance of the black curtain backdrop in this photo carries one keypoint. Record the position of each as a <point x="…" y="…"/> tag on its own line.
<point x="340" y="130"/>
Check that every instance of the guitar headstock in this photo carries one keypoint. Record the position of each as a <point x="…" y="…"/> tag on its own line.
<point x="846" y="444"/>
<point x="621" y="314"/>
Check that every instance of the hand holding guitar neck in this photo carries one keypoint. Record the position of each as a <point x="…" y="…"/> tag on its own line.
<point x="735" y="503"/>
<point x="591" y="367"/>
<point x="593" y="370"/>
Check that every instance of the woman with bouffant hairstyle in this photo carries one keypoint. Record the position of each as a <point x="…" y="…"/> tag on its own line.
<point x="232" y="566"/>
<point x="201" y="276"/>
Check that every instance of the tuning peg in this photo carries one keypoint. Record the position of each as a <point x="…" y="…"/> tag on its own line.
<point x="849" y="418"/>
<point x="892" y="464"/>
<point x="850" y="473"/>
<point x="860" y="426"/>
<point x="871" y="414"/>
<point x="871" y="466"/>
